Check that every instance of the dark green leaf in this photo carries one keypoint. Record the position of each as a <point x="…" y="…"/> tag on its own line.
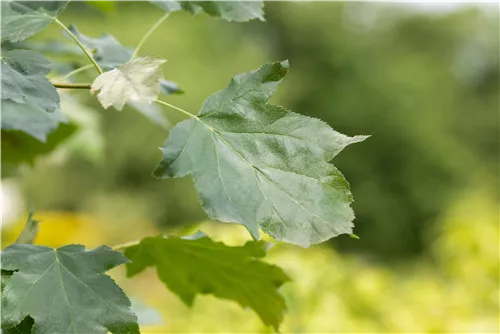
<point x="24" y="327"/>
<point x="23" y="80"/>
<point x="239" y="11"/>
<point x="201" y="266"/>
<point x="262" y="166"/>
<point x="65" y="290"/>
<point x="19" y="147"/>
<point x="29" y="231"/>
<point x="106" y="49"/>
<point x="30" y="118"/>
<point x="22" y="19"/>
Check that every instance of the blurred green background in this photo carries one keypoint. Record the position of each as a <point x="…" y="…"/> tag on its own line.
<point x="422" y="80"/>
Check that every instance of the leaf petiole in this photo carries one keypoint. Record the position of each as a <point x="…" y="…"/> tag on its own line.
<point x="89" y="56"/>
<point x="171" y="106"/>
<point x="78" y="70"/>
<point x="126" y="245"/>
<point x="148" y="33"/>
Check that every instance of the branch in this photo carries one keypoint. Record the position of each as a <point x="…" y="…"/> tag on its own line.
<point x="148" y="33"/>
<point x="71" y="85"/>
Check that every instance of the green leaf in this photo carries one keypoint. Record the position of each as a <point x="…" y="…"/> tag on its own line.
<point x="23" y="19"/>
<point x="239" y="11"/>
<point x="23" y="80"/>
<point x="136" y="81"/>
<point x="106" y="50"/>
<point x="260" y="165"/>
<point x="192" y="266"/>
<point x="29" y="231"/>
<point x="65" y="290"/>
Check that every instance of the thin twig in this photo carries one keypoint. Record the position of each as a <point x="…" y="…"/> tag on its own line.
<point x="71" y="85"/>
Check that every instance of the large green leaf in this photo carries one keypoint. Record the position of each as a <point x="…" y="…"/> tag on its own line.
<point x="239" y="11"/>
<point x="65" y="290"/>
<point x="23" y="80"/>
<point x="260" y="165"/>
<point x="192" y="266"/>
<point x="136" y="81"/>
<point x="22" y="19"/>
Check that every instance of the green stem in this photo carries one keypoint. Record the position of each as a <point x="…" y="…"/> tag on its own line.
<point x="71" y="85"/>
<point x="125" y="245"/>
<point x="89" y="56"/>
<point x="171" y="106"/>
<point x="148" y="33"/>
<point x="78" y="70"/>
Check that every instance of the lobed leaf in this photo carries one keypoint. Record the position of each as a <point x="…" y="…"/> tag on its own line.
<point x="260" y="165"/>
<point x="239" y="11"/>
<point x="64" y="290"/>
<point x="23" y="19"/>
<point x="136" y="81"/>
<point x="192" y="266"/>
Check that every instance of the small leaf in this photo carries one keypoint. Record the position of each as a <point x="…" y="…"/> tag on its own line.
<point x="23" y="19"/>
<point x="263" y="166"/>
<point x="239" y="11"/>
<point x="29" y="231"/>
<point x="65" y="290"/>
<point x="170" y="87"/>
<point x="106" y="50"/>
<point x="23" y="80"/>
<point x="135" y="81"/>
<point x="192" y="266"/>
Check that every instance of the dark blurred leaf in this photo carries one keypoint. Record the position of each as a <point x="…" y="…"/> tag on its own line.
<point x="106" y="49"/>
<point x="170" y="87"/>
<point x="192" y="266"/>
<point x="56" y="287"/>
<point x="262" y="166"/>
<point x="239" y="11"/>
<point x="19" y="148"/>
<point x="22" y="19"/>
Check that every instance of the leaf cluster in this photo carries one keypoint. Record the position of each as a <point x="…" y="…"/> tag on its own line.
<point x="253" y="163"/>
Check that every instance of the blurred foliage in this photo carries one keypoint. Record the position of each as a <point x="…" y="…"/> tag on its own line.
<point x="425" y="86"/>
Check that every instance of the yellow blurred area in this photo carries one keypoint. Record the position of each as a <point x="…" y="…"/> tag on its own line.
<point x="454" y="289"/>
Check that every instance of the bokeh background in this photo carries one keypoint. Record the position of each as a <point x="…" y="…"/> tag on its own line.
<point x="421" y="79"/>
